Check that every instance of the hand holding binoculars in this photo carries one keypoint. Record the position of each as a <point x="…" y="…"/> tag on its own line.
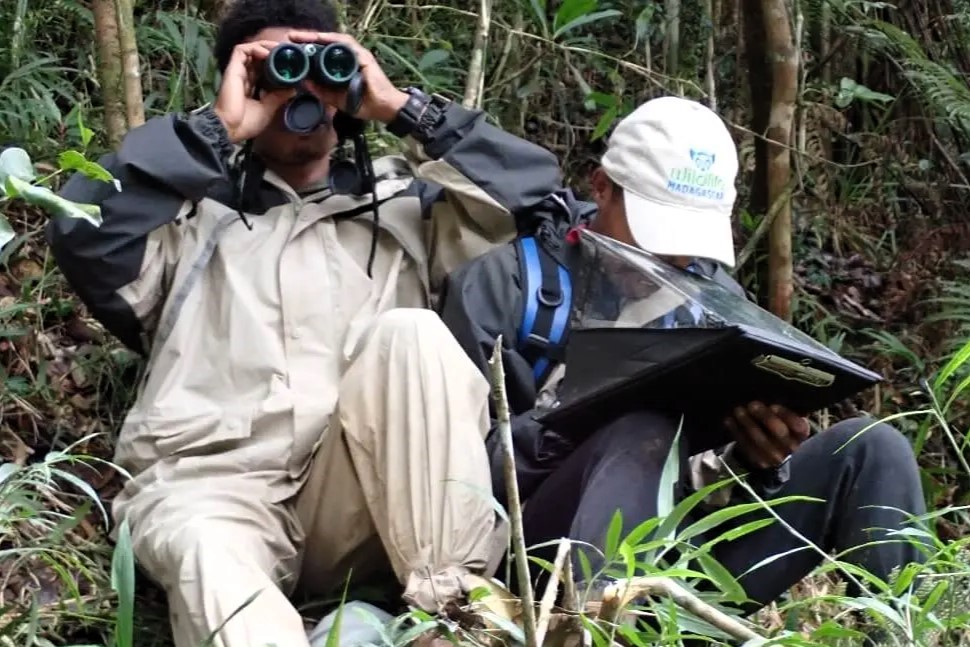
<point x="332" y="65"/>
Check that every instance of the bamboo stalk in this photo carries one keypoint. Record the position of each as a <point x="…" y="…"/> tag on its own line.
<point x="475" y="81"/>
<point x="552" y="588"/>
<point x="497" y="371"/>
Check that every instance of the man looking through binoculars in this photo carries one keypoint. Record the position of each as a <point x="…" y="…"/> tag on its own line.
<point x="300" y="158"/>
<point x="303" y="413"/>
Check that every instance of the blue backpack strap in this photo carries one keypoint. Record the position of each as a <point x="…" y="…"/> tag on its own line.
<point x="547" y="298"/>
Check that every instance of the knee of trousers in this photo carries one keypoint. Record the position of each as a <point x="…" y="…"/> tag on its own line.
<point x="869" y="440"/>
<point x="188" y="553"/>
<point x="419" y="332"/>
<point x="410" y="323"/>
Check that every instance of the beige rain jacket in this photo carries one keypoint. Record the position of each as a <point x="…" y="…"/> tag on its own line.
<point x="252" y="326"/>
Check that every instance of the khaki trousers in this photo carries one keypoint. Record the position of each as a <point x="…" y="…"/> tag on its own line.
<point x="402" y="480"/>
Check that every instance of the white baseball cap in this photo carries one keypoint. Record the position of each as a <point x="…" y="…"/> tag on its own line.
<point x="677" y="164"/>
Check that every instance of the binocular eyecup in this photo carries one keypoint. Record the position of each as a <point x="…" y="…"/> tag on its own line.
<point x="334" y="65"/>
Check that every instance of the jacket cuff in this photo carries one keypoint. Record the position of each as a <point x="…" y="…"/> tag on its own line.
<point x="209" y="126"/>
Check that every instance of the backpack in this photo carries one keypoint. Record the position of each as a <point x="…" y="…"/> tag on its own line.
<point x="547" y="300"/>
<point x="547" y="290"/>
<point x="546" y="284"/>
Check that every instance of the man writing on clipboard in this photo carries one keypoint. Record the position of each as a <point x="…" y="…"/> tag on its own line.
<point x="666" y="185"/>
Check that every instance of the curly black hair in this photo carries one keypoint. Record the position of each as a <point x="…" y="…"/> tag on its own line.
<point x="246" y="18"/>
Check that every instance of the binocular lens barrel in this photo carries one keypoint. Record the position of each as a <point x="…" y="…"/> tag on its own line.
<point x="289" y="64"/>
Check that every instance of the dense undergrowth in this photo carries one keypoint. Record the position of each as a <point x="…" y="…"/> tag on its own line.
<point x="880" y="244"/>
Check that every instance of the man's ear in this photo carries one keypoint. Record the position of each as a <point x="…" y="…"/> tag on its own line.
<point x="601" y="184"/>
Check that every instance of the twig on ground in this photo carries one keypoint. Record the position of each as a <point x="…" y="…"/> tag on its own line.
<point x="621" y="593"/>
<point x="552" y="588"/>
<point x="497" y="371"/>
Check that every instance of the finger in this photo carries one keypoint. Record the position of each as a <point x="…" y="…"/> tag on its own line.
<point x="273" y="100"/>
<point x="777" y="431"/>
<point x="772" y="454"/>
<point x="754" y="456"/>
<point x="258" y="48"/>
<point x="244" y="55"/>
<point x="797" y="425"/>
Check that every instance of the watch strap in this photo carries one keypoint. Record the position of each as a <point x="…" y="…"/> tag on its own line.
<point x="419" y="116"/>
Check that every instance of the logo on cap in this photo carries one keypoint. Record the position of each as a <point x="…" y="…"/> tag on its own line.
<point x="697" y="181"/>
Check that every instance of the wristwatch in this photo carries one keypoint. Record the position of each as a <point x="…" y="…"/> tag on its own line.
<point x="420" y="116"/>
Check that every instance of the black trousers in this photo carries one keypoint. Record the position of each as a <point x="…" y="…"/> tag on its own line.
<point x="620" y="466"/>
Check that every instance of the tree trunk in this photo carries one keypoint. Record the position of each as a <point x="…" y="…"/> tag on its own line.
<point x="672" y="40"/>
<point x="130" y="64"/>
<point x="780" y="48"/>
<point x="109" y="69"/>
<point x="759" y="88"/>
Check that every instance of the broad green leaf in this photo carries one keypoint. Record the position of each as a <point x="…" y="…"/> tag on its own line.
<point x="75" y="161"/>
<point x="15" y="162"/>
<point x="6" y="232"/>
<point x="585" y="20"/>
<point x="56" y="205"/>
<point x="433" y="57"/>
<point x="605" y="122"/>
<point x="570" y="10"/>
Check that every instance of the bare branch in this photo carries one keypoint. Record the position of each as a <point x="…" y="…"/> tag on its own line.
<point x="622" y="592"/>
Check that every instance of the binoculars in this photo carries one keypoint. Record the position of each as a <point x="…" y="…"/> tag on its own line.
<point x="333" y="65"/>
<point x="288" y="64"/>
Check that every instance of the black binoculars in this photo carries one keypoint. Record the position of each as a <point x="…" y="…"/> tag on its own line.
<point x="288" y="64"/>
<point x="332" y="65"/>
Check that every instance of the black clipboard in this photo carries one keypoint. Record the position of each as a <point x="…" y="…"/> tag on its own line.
<point x="701" y="372"/>
<point x="646" y="334"/>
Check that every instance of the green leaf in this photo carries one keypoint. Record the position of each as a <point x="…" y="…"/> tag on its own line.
<point x="726" y="582"/>
<point x="86" y="133"/>
<point x="643" y="23"/>
<point x="15" y="162"/>
<point x="669" y="477"/>
<point x="123" y="583"/>
<point x="539" y="9"/>
<point x="850" y="91"/>
<point x="613" y="535"/>
<point x="570" y="10"/>
<point x="605" y="122"/>
<point x="75" y="161"/>
<point x="718" y="517"/>
<point x="432" y="58"/>
<point x="585" y="20"/>
<point x="956" y="362"/>
<point x="7" y="233"/>
<point x="48" y="200"/>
